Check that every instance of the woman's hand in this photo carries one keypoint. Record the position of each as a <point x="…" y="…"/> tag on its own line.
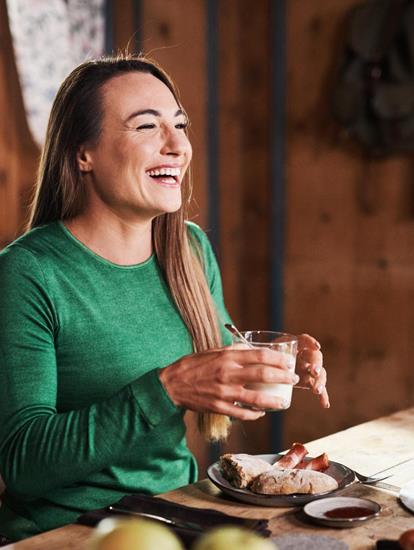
<point x="309" y="367"/>
<point x="213" y="381"/>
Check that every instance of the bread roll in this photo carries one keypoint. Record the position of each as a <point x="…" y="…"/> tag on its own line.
<point x="288" y="482"/>
<point x="241" y="469"/>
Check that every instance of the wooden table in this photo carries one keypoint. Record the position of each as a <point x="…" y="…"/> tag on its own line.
<point x="383" y="444"/>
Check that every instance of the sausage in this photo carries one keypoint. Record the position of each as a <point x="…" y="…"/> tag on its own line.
<point x="318" y="464"/>
<point x="292" y="458"/>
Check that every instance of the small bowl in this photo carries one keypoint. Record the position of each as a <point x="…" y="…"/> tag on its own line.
<point x="317" y="510"/>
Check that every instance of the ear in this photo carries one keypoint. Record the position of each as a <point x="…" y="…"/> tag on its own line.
<point x="84" y="159"/>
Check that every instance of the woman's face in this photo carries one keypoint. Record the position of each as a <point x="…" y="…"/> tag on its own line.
<point x="137" y="167"/>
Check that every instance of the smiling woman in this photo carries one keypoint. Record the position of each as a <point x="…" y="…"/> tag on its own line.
<point x="112" y="314"/>
<point x="129" y="171"/>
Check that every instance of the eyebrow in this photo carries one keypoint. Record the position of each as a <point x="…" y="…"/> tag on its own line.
<point x="153" y="112"/>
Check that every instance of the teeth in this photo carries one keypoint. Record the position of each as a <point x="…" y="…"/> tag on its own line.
<point x="164" y="172"/>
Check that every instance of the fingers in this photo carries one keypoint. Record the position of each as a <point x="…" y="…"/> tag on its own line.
<point x="217" y="379"/>
<point x="239" y="413"/>
<point x="312" y="374"/>
<point x="234" y="409"/>
<point x="309" y="361"/>
<point x="318" y="387"/>
<point x="228" y="373"/>
<point x="258" y="356"/>
<point x="308" y="341"/>
<point x="261" y="400"/>
<point x="324" y="399"/>
<point x="309" y="366"/>
<point x="256" y="403"/>
<point x="318" y="383"/>
<point x="222" y="399"/>
<point x="262" y="375"/>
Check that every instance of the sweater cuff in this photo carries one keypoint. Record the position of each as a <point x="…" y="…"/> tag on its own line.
<point x="153" y="401"/>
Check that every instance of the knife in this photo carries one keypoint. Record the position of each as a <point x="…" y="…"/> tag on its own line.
<point x="173" y="522"/>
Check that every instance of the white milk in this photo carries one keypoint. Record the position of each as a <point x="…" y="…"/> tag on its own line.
<point x="284" y="391"/>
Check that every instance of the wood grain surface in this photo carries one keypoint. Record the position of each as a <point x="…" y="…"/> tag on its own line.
<point x="244" y="179"/>
<point x="369" y="447"/>
<point x="349" y="261"/>
<point x="18" y="152"/>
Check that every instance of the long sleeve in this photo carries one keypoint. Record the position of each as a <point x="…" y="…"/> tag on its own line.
<point x="84" y="418"/>
<point x="41" y="448"/>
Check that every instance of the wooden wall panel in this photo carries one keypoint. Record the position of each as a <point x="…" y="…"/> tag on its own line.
<point x="244" y="160"/>
<point x="349" y="267"/>
<point x="124" y="32"/>
<point x="18" y="154"/>
<point x="231" y="174"/>
<point x="255" y="113"/>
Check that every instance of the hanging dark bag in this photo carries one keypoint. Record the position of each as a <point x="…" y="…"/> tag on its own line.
<point x="374" y="94"/>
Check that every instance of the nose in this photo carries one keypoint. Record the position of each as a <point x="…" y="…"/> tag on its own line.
<point x="176" y="143"/>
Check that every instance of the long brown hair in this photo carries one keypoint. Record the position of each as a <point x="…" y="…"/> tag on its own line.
<point x="76" y="119"/>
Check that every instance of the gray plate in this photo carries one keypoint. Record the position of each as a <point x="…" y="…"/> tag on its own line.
<point x="343" y="475"/>
<point x="316" y="511"/>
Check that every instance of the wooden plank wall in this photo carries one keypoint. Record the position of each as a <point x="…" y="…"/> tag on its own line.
<point x="245" y="170"/>
<point x="18" y="153"/>
<point x="349" y="265"/>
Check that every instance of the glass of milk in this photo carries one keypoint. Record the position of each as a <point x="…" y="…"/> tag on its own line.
<point x="280" y="342"/>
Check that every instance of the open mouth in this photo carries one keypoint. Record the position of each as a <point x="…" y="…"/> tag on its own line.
<point x="165" y="176"/>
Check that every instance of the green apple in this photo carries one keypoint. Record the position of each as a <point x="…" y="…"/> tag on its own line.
<point x="233" y="538"/>
<point x="133" y="534"/>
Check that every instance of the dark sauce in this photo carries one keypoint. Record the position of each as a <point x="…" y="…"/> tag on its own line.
<point x="349" y="512"/>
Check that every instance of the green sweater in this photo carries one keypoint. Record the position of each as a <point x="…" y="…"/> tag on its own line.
<point x="84" y="418"/>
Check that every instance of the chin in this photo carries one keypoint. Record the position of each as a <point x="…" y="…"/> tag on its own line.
<point x="171" y="206"/>
<point x="171" y="210"/>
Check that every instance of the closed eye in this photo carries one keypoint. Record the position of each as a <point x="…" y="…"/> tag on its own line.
<point x="148" y="126"/>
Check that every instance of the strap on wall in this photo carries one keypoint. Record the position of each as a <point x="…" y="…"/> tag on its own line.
<point x="278" y="99"/>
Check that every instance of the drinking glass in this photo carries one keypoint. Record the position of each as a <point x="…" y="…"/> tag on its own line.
<point x="280" y="342"/>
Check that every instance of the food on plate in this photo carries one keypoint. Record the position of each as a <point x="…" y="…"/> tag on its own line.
<point x="292" y="458"/>
<point x="291" y="481"/>
<point x="241" y="469"/>
<point x="319" y="464"/>
<point x="233" y="538"/>
<point x="406" y="540"/>
<point x="133" y="534"/>
<point x="290" y="474"/>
